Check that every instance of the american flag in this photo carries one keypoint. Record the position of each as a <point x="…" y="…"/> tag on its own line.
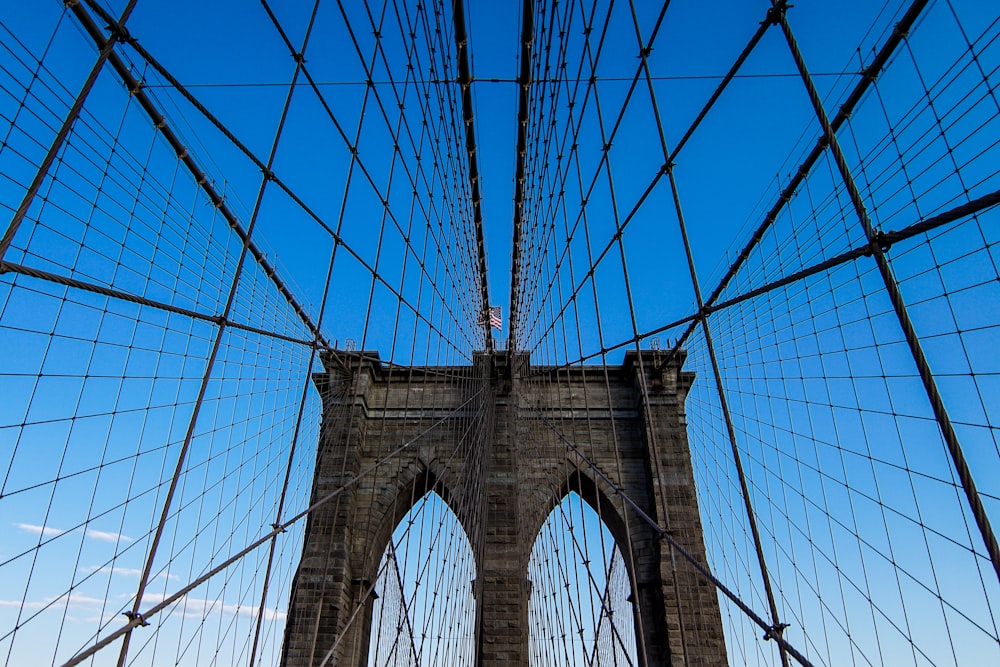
<point x="496" y="321"/>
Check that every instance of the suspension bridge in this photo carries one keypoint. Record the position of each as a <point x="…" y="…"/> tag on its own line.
<point x="724" y="390"/>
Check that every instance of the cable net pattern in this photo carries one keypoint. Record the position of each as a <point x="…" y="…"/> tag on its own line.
<point x="798" y="203"/>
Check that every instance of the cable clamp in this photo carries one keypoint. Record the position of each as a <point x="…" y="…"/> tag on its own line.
<point x="775" y="14"/>
<point x="119" y="33"/>
<point x="880" y="241"/>
<point x="137" y="618"/>
<point x="775" y="631"/>
<point x="278" y="527"/>
<point x="870" y="73"/>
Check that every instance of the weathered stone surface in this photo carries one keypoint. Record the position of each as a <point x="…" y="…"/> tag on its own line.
<point x="491" y="439"/>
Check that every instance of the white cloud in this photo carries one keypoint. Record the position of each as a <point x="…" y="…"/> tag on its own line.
<point x="106" y="536"/>
<point x="121" y="571"/>
<point x="75" y="600"/>
<point x="199" y="607"/>
<point x="187" y="606"/>
<point x="49" y="531"/>
<point x="129" y="572"/>
<point x="44" y="531"/>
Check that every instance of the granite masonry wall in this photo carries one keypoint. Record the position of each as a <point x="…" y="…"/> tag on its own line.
<point x="498" y="441"/>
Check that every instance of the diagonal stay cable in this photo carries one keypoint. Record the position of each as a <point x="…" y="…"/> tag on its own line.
<point x="723" y="84"/>
<point x="138" y="89"/>
<point x="369" y="178"/>
<point x="217" y="345"/>
<point x="13" y="267"/>
<point x="665" y="535"/>
<point x="141" y="619"/>
<point x="106" y="51"/>
<point x="868" y="76"/>
<point x="948" y="432"/>
<point x="426" y="561"/>
<point x="885" y="241"/>
<point x="135" y="88"/>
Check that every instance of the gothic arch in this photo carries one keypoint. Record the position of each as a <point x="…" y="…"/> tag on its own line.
<point x="574" y="594"/>
<point x="413" y="484"/>
<point x="403" y="609"/>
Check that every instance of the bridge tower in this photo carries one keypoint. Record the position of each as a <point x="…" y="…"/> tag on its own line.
<point x="376" y="415"/>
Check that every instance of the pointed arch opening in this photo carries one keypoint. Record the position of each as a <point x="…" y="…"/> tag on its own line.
<point x="424" y="612"/>
<point x="580" y="611"/>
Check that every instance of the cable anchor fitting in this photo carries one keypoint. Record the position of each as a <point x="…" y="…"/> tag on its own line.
<point x="775" y="14"/>
<point x="775" y="631"/>
<point x="880" y="242"/>
<point x="870" y="73"/>
<point x="136" y="618"/>
<point x="120" y="33"/>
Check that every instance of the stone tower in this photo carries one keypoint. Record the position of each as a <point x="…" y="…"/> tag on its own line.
<point x="371" y="410"/>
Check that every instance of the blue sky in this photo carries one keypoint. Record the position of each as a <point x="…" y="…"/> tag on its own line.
<point x="826" y="400"/>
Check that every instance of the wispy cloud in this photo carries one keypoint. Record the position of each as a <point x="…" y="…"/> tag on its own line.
<point x="49" y="531"/>
<point x="187" y="606"/>
<point x="105" y="536"/>
<point x="44" y="531"/>
<point x="129" y="572"/>
<point x="199" y="607"/>
<point x="75" y="600"/>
